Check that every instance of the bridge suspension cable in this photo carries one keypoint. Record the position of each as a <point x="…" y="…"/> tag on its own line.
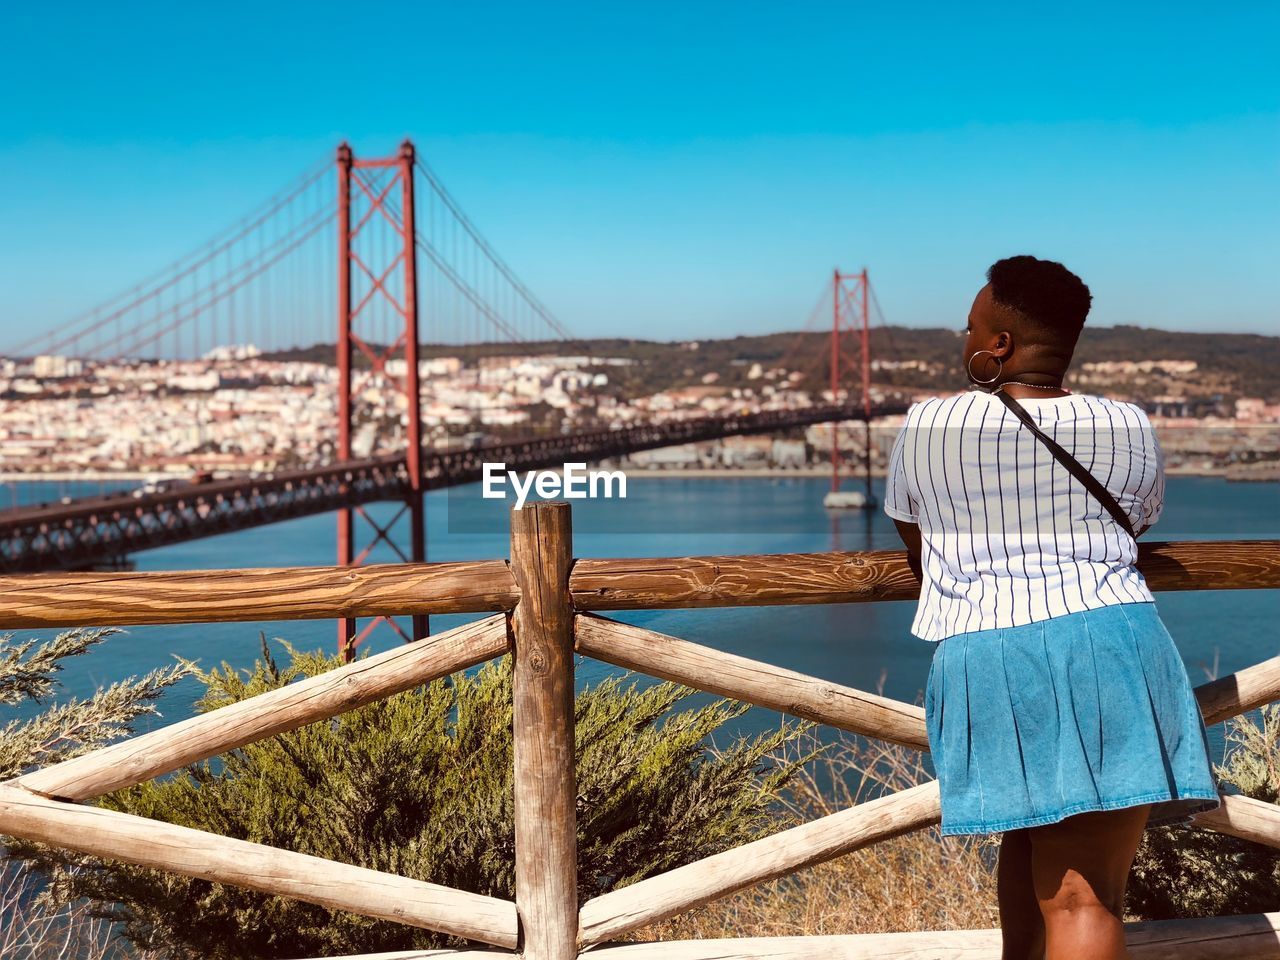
<point x="268" y="282"/>
<point x="811" y="351"/>
<point x="439" y="191"/>
<point x="153" y="287"/>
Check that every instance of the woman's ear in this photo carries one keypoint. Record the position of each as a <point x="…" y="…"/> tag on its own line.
<point x="1002" y="345"/>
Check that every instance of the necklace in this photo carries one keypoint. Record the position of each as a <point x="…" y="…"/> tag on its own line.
<point x="1034" y="386"/>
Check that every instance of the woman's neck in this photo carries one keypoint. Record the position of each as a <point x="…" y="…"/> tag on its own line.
<point x="1029" y="384"/>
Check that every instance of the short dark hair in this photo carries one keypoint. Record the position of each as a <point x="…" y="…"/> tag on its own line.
<point x="1044" y="292"/>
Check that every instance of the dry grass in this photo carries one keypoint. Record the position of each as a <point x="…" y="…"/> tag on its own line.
<point x="921" y="881"/>
<point x="30" y="929"/>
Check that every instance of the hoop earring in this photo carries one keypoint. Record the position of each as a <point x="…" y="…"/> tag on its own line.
<point x="969" y="368"/>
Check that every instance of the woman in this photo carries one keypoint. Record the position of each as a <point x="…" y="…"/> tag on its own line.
<point x="1059" y="712"/>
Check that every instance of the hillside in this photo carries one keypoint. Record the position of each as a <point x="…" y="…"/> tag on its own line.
<point x="1228" y="365"/>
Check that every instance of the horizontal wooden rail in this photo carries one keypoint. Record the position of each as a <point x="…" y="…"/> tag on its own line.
<point x="1244" y="937"/>
<point x="1210" y="564"/>
<point x="741" y="581"/>
<point x="285" y="593"/>
<point x="754" y="681"/>
<point x="287" y="708"/>
<point x="310" y="593"/>
<point x="802" y="578"/>
<point x="657" y="898"/>
<point x="253" y="866"/>
<point x="1247" y="937"/>
<point x="432" y="955"/>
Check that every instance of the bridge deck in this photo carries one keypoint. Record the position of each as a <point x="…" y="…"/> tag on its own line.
<point x="102" y="530"/>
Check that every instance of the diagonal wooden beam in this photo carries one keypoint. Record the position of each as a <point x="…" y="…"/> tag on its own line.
<point x="754" y="681"/>
<point x="1244" y="817"/>
<point x="766" y="685"/>
<point x="254" y="866"/>
<point x="657" y="898"/>
<point x="316" y="698"/>
<point x="1239" y="692"/>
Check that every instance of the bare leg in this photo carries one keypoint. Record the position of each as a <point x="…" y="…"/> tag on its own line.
<point x="1021" y="923"/>
<point x="1079" y="868"/>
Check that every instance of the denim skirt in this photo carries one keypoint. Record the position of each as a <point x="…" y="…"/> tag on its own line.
<point x="1086" y="711"/>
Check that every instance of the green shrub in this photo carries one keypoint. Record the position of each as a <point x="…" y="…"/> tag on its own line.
<point x="31" y="926"/>
<point x="29" y="672"/>
<point x="1184" y="872"/>
<point x="420" y="784"/>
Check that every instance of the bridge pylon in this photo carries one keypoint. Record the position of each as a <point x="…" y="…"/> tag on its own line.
<point x="850" y="321"/>
<point x="377" y="251"/>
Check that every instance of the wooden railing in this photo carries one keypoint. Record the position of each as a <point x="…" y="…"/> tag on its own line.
<point x="546" y="607"/>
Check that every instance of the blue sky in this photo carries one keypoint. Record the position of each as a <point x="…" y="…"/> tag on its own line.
<point x="674" y="169"/>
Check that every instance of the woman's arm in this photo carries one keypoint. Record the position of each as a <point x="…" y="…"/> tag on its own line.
<point x="899" y="504"/>
<point x="1152" y="500"/>
<point x="910" y="534"/>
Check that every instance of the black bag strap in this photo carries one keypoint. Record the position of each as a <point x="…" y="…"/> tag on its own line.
<point x="1073" y="465"/>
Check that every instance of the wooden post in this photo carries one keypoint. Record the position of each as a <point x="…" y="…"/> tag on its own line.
<point x="543" y="692"/>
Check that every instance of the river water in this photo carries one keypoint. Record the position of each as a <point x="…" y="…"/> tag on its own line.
<point x="861" y="645"/>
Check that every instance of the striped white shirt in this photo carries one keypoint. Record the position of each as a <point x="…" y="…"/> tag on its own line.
<point x="1008" y="536"/>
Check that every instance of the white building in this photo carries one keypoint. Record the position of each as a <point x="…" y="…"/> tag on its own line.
<point x="55" y="365"/>
<point x="682" y="456"/>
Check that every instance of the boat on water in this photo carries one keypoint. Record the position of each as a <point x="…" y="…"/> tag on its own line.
<point x="849" y="500"/>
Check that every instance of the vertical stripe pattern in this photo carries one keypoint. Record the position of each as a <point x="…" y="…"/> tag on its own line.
<point x="1008" y="536"/>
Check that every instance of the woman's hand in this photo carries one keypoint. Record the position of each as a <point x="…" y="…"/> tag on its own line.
<point x="910" y="534"/>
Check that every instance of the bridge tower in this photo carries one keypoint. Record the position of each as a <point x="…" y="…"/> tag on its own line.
<point x="850" y="319"/>
<point x="376" y="254"/>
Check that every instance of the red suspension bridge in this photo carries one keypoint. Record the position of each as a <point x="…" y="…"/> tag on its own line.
<point x="408" y="262"/>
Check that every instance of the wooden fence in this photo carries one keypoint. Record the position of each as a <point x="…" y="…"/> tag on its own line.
<point x="546" y="606"/>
